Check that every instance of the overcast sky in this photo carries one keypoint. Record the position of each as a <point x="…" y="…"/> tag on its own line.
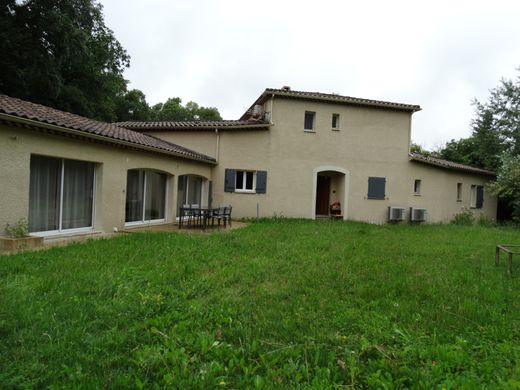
<point x="438" y="54"/>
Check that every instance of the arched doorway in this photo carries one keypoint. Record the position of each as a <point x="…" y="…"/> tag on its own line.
<point x="330" y="187"/>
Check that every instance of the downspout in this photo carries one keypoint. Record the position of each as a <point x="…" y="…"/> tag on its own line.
<point x="217" y="147"/>
<point x="271" y="110"/>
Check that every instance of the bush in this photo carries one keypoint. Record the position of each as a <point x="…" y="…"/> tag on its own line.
<point x="464" y="218"/>
<point x="18" y="230"/>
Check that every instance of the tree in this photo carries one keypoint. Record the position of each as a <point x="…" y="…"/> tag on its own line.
<point x="173" y="110"/>
<point x="60" y="53"/>
<point x="507" y="184"/>
<point x="495" y="129"/>
<point x="132" y="106"/>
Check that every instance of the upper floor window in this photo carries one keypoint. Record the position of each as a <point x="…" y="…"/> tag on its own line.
<point x="310" y="121"/>
<point x="417" y="187"/>
<point x="335" y="121"/>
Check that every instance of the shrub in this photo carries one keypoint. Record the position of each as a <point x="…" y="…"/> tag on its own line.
<point x="18" y="230"/>
<point x="464" y="218"/>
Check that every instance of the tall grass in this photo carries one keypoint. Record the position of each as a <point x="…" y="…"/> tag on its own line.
<point x="282" y="303"/>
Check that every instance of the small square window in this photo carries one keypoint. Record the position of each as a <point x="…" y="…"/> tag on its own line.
<point x="244" y="181"/>
<point x="310" y="119"/>
<point x="459" y="192"/>
<point x="335" y="121"/>
<point x="417" y="187"/>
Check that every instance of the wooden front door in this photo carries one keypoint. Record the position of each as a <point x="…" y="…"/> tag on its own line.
<point x="322" y="195"/>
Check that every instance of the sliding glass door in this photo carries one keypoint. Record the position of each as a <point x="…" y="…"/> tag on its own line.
<point x="61" y="194"/>
<point x="145" y="196"/>
<point x="189" y="190"/>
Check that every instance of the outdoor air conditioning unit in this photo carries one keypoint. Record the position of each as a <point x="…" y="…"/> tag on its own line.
<point x="417" y="215"/>
<point x="396" y="214"/>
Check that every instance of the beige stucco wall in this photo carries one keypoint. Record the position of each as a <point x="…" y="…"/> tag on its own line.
<point x="112" y="163"/>
<point x="369" y="142"/>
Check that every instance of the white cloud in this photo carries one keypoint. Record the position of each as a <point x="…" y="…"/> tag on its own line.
<point x="440" y="55"/>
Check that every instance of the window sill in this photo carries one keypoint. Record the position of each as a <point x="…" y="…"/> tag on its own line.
<point x="66" y="233"/>
<point x="145" y="223"/>
<point x="416" y="194"/>
<point x="333" y="129"/>
<point x="459" y="200"/>
<point x="309" y="131"/>
<point x="245" y="191"/>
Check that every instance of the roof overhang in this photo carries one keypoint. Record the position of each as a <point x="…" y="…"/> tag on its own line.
<point x="60" y="130"/>
<point x="450" y="165"/>
<point x="328" y="98"/>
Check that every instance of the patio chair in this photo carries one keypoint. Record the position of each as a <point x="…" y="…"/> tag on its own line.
<point x="185" y="216"/>
<point x="222" y="214"/>
<point x="196" y="213"/>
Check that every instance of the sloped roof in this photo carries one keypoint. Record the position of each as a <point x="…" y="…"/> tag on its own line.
<point x="438" y="162"/>
<point x="90" y="128"/>
<point x="196" y="125"/>
<point x="328" y="97"/>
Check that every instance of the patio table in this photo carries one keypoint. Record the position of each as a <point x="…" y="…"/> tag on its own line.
<point x="199" y="216"/>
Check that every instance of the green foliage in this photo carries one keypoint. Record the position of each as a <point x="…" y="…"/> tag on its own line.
<point x="281" y="304"/>
<point x="173" y="110"/>
<point x="416" y="148"/>
<point x="18" y="230"/>
<point x="464" y="218"/>
<point x="60" y="53"/>
<point x="495" y="129"/>
<point x="507" y="184"/>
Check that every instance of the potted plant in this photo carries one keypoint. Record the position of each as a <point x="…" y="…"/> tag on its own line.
<point x="17" y="237"/>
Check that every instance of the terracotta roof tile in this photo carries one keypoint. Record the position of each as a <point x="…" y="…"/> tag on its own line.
<point x="438" y="162"/>
<point x="328" y="97"/>
<point x="195" y="125"/>
<point x="112" y="132"/>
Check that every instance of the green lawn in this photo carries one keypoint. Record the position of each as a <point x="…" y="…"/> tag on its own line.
<point x="281" y="303"/>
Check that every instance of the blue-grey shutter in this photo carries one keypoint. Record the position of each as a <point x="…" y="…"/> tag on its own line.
<point x="376" y="188"/>
<point x="480" y="197"/>
<point x="210" y="193"/>
<point x="261" y="182"/>
<point x="229" y="182"/>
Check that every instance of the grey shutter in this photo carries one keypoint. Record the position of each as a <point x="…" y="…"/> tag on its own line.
<point x="261" y="182"/>
<point x="376" y="188"/>
<point x="229" y="182"/>
<point x="210" y="193"/>
<point x="480" y="197"/>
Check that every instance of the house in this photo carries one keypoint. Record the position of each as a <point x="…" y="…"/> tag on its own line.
<point x="66" y="174"/>
<point x="292" y="153"/>
<point x="295" y="153"/>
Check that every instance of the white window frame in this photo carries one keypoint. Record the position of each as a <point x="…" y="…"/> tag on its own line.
<point x="244" y="181"/>
<point x="313" y="129"/>
<point x="417" y="184"/>
<point x="144" y="221"/>
<point x="337" y="116"/>
<point x="473" y="197"/>
<point x="60" y="230"/>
